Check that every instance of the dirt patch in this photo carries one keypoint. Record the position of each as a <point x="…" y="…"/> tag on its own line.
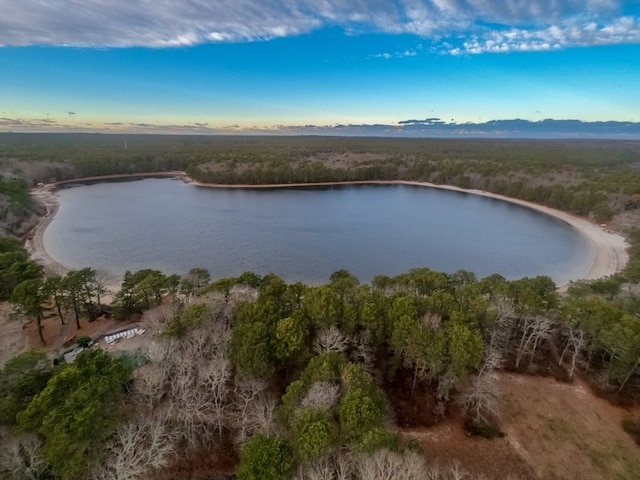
<point x="58" y="337"/>
<point x="564" y="431"/>
<point x="446" y="444"/>
<point x="553" y="430"/>
<point x="12" y="340"/>
<point x="216" y="462"/>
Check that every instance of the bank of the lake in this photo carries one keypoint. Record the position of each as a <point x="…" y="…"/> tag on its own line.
<point x="608" y="249"/>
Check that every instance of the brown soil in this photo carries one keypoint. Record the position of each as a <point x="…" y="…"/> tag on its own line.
<point x="12" y="341"/>
<point x="446" y="444"/>
<point x="59" y="337"/>
<point x="564" y="431"/>
<point x="214" y="463"/>
<point x="552" y="430"/>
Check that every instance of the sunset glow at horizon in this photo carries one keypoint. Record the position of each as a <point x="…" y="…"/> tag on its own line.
<point x="315" y="67"/>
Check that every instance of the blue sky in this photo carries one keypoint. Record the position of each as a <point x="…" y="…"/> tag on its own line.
<point x="315" y="66"/>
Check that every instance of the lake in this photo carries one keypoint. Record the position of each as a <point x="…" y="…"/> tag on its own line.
<point x="305" y="234"/>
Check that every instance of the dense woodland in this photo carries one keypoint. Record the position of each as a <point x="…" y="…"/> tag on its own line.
<point x="261" y="379"/>
<point x="596" y="178"/>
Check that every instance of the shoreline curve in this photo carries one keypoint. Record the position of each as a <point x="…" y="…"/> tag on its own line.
<point x="609" y="248"/>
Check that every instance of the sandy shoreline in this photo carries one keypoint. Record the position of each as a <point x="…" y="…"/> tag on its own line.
<point x="609" y="249"/>
<point x="46" y="196"/>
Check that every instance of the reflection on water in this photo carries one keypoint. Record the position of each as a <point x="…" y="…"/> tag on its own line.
<point x="306" y="234"/>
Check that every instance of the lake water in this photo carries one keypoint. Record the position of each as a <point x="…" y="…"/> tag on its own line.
<point x="306" y="234"/>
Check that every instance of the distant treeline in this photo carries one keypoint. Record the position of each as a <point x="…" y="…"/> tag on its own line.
<point x="596" y="178"/>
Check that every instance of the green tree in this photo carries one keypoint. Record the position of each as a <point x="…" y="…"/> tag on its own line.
<point x="142" y="290"/>
<point x="196" y="281"/>
<point x="253" y="350"/>
<point x="292" y="340"/>
<point x="53" y="286"/>
<point x="31" y="298"/>
<point x="74" y="293"/>
<point x="15" y="267"/>
<point x="21" y="379"/>
<point x="314" y="433"/>
<point x="189" y="319"/>
<point x="265" y="458"/>
<point x="361" y="410"/>
<point x="79" y="408"/>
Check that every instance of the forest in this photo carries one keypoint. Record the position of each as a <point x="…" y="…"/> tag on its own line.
<point x="255" y="378"/>
<point x="594" y="178"/>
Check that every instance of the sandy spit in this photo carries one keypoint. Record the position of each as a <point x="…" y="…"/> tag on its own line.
<point x="609" y="249"/>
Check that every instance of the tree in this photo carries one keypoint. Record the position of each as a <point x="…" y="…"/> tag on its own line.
<point x="384" y="464"/>
<point x="89" y="288"/>
<point x="76" y="412"/>
<point x="265" y="458"/>
<point x="338" y="465"/>
<point x="53" y="285"/>
<point x="15" y="267"/>
<point x="73" y="285"/>
<point x="323" y="306"/>
<point x="21" y="459"/>
<point x="191" y="318"/>
<point x="195" y="282"/>
<point x="252" y="350"/>
<point x="22" y="378"/>
<point x="314" y="433"/>
<point x="330" y="340"/>
<point x="622" y="343"/>
<point x="465" y="350"/>
<point x="291" y="340"/>
<point x="481" y="398"/>
<point x="31" y="297"/>
<point x="142" y="290"/>
<point x="361" y="411"/>
<point x="137" y="449"/>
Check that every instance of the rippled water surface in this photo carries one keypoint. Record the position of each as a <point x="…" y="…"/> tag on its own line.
<point x="306" y="234"/>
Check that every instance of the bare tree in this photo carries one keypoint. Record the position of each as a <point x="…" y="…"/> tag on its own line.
<point x="330" y="340"/>
<point x="214" y="380"/>
<point x="253" y="407"/>
<point x="384" y="464"/>
<point x="189" y="377"/>
<point x="339" y="465"/>
<point x="534" y="329"/>
<point x="149" y="385"/>
<point x="575" y="342"/>
<point x="362" y="351"/>
<point x="137" y="449"/>
<point x="317" y="469"/>
<point x="481" y="400"/>
<point x="20" y="457"/>
<point x="155" y="319"/>
<point x="321" y="395"/>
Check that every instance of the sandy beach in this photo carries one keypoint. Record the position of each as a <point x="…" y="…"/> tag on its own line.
<point x="609" y="249"/>
<point x="46" y="196"/>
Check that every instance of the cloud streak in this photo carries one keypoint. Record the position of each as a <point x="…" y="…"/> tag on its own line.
<point x="456" y="26"/>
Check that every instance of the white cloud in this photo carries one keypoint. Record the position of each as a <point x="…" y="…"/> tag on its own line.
<point x="569" y="34"/>
<point x="483" y="25"/>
